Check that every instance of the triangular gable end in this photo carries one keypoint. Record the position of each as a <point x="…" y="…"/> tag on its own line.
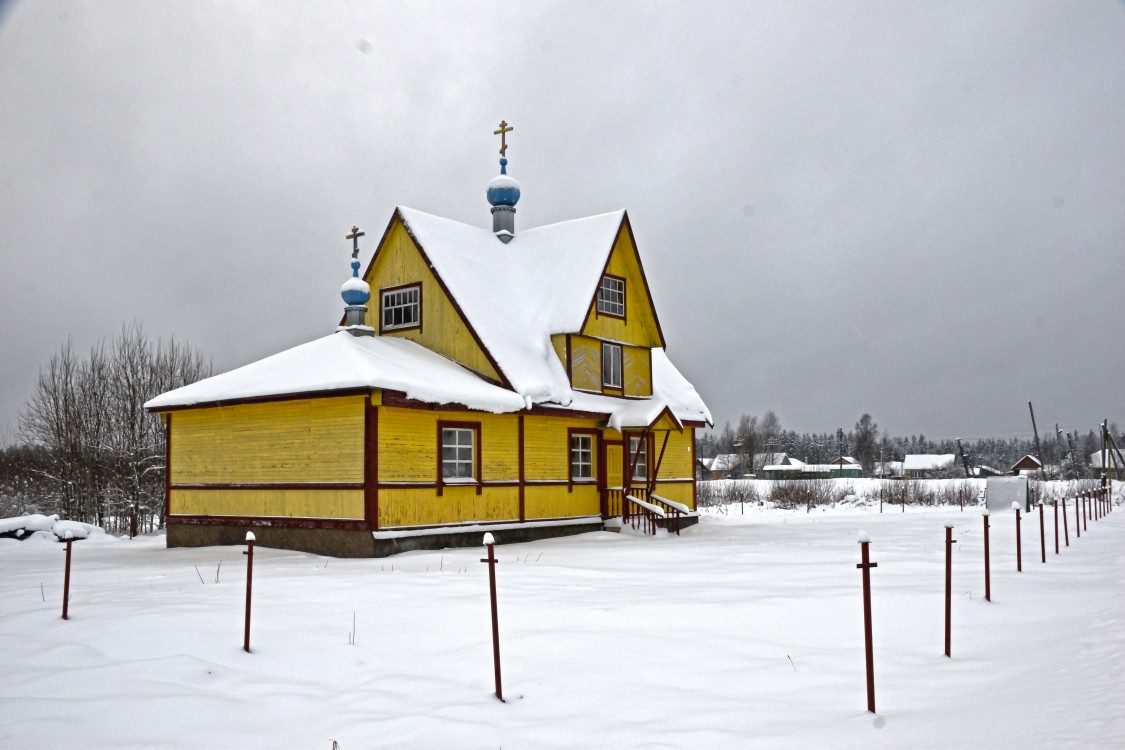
<point x="640" y="325"/>
<point x="666" y="420"/>
<point x="400" y="260"/>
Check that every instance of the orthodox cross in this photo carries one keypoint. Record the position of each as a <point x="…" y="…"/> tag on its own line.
<point x="504" y="129"/>
<point x="354" y="237"/>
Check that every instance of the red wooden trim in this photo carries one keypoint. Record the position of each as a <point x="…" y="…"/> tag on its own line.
<point x="399" y="400"/>
<point x="271" y="521"/>
<point x="644" y="279"/>
<point x="453" y="527"/>
<point x="569" y="362"/>
<point x="342" y="393"/>
<point x="396" y="288"/>
<point x="383" y="486"/>
<point x="270" y="486"/>
<point x="659" y="460"/>
<point x="478" y="479"/>
<point x="522" y="474"/>
<point x="603" y="477"/>
<point x="167" y="467"/>
<point x="371" y="464"/>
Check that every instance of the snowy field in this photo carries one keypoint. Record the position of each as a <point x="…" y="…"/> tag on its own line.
<point x="744" y="632"/>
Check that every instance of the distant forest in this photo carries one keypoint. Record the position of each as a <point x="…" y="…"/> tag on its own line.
<point x="865" y="442"/>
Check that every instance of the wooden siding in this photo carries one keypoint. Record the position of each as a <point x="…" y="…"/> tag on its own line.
<point x="292" y="503"/>
<point x="586" y="363"/>
<point x="420" y="506"/>
<point x="397" y="262"/>
<point x="678" y="461"/>
<point x="547" y="447"/>
<point x="307" y="440"/>
<point x="556" y="501"/>
<point x="681" y="492"/>
<point x="637" y="366"/>
<point x="408" y="444"/>
<point x="639" y="326"/>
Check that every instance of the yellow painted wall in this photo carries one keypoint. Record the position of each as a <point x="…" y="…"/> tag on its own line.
<point x="678" y="491"/>
<point x="639" y="327"/>
<point x="262" y="502"/>
<point x="409" y="506"/>
<point x="408" y="444"/>
<point x="678" y="461"/>
<point x="554" y="501"/>
<point x="637" y="370"/>
<point x="308" y="440"/>
<point x="397" y="261"/>
<point x="586" y="364"/>
<point x="547" y="446"/>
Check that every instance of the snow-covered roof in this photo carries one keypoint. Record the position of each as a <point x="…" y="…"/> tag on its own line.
<point x="725" y="462"/>
<point x="515" y="296"/>
<point x="1096" y="460"/>
<point x="927" y="461"/>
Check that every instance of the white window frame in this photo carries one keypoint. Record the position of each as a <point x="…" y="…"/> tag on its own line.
<point x="611" y="296"/>
<point x="458" y="452"/>
<point x="611" y="365"/>
<point x="640" y="471"/>
<point x="399" y="300"/>
<point x="581" y="457"/>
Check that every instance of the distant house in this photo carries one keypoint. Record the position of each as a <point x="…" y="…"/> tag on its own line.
<point x="703" y="468"/>
<point x="921" y="465"/>
<point x="1028" y="464"/>
<point x="798" y="470"/>
<point x="762" y="460"/>
<point x="844" y="461"/>
<point x="887" y="469"/>
<point x="727" y="466"/>
<point x="1116" y="471"/>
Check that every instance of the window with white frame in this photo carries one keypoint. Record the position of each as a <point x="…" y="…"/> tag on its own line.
<point x="611" y="365"/>
<point x="581" y="457"/>
<point x="457" y="453"/>
<point x="638" y="457"/>
<point x="401" y="307"/>
<point x="611" y="296"/>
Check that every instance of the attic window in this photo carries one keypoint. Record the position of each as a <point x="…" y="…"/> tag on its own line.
<point x="401" y="307"/>
<point x="611" y="365"/>
<point x="611" y="296"/>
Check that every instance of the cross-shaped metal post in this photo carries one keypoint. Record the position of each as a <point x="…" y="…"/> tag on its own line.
<point x="866" y="566"/>
<point x="505" y="128"/>
<point x="354" y="237"/>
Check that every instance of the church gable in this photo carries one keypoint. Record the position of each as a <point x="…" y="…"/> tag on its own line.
<point x="409" y="301"/>
<point x="621" y="308"/>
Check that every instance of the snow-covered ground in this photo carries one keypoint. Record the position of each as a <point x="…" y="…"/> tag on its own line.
<point x="744" y="632"/>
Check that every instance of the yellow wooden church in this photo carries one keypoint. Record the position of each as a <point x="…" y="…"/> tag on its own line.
<point x="514" y="382"/>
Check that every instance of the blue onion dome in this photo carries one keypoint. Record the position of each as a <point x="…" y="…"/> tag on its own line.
<point x="355" y="290"/>
<point x="503" y="190"/>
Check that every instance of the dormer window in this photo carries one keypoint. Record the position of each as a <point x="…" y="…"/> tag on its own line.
<point x="400" y="307"/>
<point x="611" y="365"/>
<point x="611" y="296"/>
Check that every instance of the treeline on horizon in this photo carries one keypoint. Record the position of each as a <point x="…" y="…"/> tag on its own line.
<point x="88" y="450"/>
<point x="865" y="442"/>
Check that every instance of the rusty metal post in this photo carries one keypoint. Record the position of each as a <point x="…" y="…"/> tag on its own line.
<point x="1066" y="531"/>
<point x="1085" y="511"/>
<point x="249" y="552"/>
<point x="66" y="579"/>
<point x="1077" y="515"/>
<point x="987" y="572"/>
<point x="1055" y="506"/>
<point x="949" y="540"/>
<point x="865" y="565"/>
<point x="489" y="542"/>
<point x="1042" y="535"/>
<point x="1019" y="541"/>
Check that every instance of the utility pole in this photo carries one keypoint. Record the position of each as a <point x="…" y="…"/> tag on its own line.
<point x="1074" y="456"/>
<point x="1035" y="430"/>
<point x="964" y="461"/>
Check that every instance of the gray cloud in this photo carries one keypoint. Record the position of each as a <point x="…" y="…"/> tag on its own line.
<point x="907" y="209"/>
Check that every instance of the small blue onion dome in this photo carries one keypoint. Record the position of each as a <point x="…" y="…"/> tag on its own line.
<point x="355" y="290"/>
<point x="503" y="190"/>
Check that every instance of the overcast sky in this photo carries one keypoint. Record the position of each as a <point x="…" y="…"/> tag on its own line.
<point x="911" y="209"/>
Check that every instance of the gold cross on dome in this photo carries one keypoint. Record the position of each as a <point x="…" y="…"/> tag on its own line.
<point x="504" y="129"/>
<point x="354" y="237"/>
